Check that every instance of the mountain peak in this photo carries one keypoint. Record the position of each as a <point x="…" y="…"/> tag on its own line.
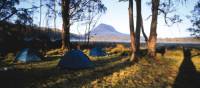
<point x="105" y="32"/>
<point x="103" y="28"/>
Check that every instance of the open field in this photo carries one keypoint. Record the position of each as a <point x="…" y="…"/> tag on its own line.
<point x="173" y="70"/>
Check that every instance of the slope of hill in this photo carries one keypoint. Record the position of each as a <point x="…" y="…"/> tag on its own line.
<point x="104" y="32"/>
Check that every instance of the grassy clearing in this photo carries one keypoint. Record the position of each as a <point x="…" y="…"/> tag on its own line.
<point x="109" y="71"/>
<point x="196" y="58"/>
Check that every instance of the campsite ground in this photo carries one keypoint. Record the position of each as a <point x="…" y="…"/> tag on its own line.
<point x="175" y="69"/>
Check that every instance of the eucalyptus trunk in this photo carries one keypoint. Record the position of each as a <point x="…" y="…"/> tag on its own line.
<point x="132" y="34"/>
<point x="66" y="25"/>
<point x="138" y="26"/>
<point x="153" y="33"/>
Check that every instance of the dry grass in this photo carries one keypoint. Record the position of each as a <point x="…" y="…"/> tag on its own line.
<point x="109" y="71"/>
<point x="196" y="58"/>
<point x="54" y="52"/>
<point x="118" y="48"/>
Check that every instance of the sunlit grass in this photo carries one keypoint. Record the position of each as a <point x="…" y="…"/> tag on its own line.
<point x="196" y="62"/>
<point x="10" y="57"/>
<point x="176" y="55"/>
<point x="196" y="58"/>
<point x="113" y="70"/>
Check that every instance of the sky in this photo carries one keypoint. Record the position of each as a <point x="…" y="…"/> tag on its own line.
<point x="117" y="16"/>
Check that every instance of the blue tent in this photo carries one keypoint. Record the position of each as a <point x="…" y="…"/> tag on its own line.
<point x="26" y="55"/>
<point x="75" y="59"/>
<point x="97" y="52"/>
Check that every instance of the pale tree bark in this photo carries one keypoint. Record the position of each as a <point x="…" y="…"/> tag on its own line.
<point x="138" y="26"/>
<point x="153" y="33"/>
<point x="54" y="19"/>
<point x="132" y="34"/>
<point x="66" y="24"/>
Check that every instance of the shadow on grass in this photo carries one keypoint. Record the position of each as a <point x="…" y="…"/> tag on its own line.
<point x="20" y="78"/>
<point x="37" y="77"/>
<point x="23" y="77"/>
<point x="187" y="77"/>
<point x="52" y="58"/>
<point x="103" y="62"/>
<point x="86" y="79"/>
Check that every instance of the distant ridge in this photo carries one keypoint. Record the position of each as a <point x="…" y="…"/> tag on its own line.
<point x="104" y="28"/>
<point x="105" y="32"/>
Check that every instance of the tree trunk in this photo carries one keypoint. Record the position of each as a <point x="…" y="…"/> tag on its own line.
<point x="153" y="35"/>
<point x="132" y="34"/>
<point x="66" y="25"/>
<point x="40" y="13"/>
<point x="54" y="20"/>
<point x="88" y="36"/>
<point x="143" y="32"/>
<point x="89" y="26"/>
<point x="138" y="26"/>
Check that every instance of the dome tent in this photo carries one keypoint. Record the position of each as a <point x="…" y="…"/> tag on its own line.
<point x="97" y="51"/>
<point x="27" y="55"/>
<point x="75" y="59"/>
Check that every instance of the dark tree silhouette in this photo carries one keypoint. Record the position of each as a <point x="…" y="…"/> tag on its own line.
<point x="143" y="32"/>
<point x="187" y="77"/>
<point x="66" y="24"/>
<point x="10" y="12"/>
<point x="195" y="20"/>
<point x="75" y="11"/>
<point x="138" y="26"/>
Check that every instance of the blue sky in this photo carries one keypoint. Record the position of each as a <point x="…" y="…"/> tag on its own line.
<point x="117" y="16"/>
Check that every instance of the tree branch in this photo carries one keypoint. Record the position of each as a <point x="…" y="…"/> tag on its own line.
<point x="13" y="13"/>
<point x="144" y="34"/>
